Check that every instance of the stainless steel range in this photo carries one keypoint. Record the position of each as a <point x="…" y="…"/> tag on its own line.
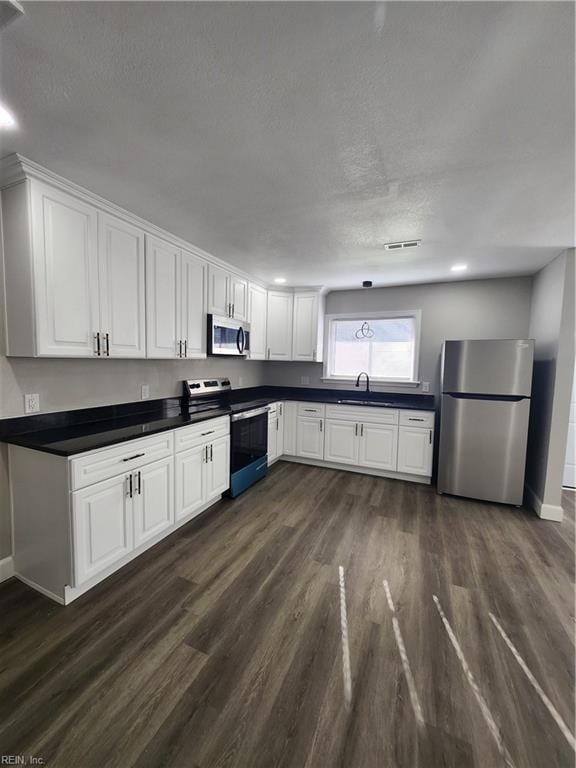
<point x="248" y="429"/>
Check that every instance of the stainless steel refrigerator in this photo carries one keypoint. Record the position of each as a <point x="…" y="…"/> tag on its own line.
<point x="485" y="408"/>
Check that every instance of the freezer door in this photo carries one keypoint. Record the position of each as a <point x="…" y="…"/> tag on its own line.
<point x="483" y="448"/>
<point x="495" y="367"/>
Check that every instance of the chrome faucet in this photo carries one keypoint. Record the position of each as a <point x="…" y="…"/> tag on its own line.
<point x="363" y="373"/>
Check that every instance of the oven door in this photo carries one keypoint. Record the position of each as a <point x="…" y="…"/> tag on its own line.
<point x="249" y="438"/>
<point x="227" y="337"/>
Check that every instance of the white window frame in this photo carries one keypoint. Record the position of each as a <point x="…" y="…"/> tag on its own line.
<point x="384" y="315"/>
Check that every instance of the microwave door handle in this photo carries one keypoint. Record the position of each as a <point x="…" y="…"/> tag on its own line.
<point x="243" y="340"/>
<point x="240" y="340"/>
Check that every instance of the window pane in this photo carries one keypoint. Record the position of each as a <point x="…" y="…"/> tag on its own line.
<point x="385" y="349"/>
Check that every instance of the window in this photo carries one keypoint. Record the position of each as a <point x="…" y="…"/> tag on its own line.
<point x="383" y="344"/>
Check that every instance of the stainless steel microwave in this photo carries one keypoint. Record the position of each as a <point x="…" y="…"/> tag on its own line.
<point x="227" y="336"/>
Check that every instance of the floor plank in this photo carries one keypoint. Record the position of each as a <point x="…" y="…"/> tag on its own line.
<point x="222" y="646"/>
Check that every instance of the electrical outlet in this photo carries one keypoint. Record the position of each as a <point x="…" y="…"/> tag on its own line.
<point x="304" y="379"/>
<point x="145" y="391"/>
<point x="240" y="381"/>
<point x="31" y="403"/>
<point x="425" y="386"/>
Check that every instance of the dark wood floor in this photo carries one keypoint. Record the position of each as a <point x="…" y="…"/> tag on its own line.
<point x="223" y="646"/>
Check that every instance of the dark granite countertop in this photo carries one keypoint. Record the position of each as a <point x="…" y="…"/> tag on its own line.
<point x="68" y="433"/>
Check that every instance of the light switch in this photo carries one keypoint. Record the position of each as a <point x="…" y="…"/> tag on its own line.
<point x="425" y="386"/>
<point x="145" y="391"/>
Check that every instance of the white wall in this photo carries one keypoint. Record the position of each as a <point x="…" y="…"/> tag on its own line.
<point x="552" y="327"/>
<point x="472" y="309"/>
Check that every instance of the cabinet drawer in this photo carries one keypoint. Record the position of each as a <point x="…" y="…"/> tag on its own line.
<point x="362" y="414"/>
<point x="273" y="409"/>
<point x="120" y="459"/>
<point x="417" y="419"/>
<point x="204" y="432"/>
<point x="309" y="410"/>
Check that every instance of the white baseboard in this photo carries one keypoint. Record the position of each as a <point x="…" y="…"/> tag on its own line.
<point x="545" y="511"/>
<point x="38" y="588"/>
<point x="423" y="479"/>
<point x="6" y="568"/>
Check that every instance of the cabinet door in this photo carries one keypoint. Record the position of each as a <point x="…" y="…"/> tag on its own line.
<point x="310" y="438"/>
<point x="305" y="326"/>
<point x="341" y="441"/>
<point x="122" y="292"/>
<point x="415" y="448"/>
<point x="239" y="297"/>
<point x="190" y="481"/>
<point x="153" y="500"/>
<point x="279" y="326"/>
<point x="272" y="439"/>
<point x="193" y="322"/>
<point x="66" y="273"/>
<point x="257" y="320"/>
<point x="219" y="300"/>
<point x="162" y="299"/>
<point x="280" y="430"/>
<point x="378" y="446"/>
<point x="290" y="428"/>
<point x="102" y="526"/>
<point x="218" y="467"/>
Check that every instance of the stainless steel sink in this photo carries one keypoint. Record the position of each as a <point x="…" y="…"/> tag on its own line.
<point x="364" y="402"/>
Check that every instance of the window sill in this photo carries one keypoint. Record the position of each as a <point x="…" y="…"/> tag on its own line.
<point x="373" y="382"/>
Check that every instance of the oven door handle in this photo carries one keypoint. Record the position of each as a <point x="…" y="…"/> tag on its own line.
<point x="250" y="414"/>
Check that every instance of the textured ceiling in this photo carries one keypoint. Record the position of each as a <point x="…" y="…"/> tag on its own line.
<point x="295" y="139"/>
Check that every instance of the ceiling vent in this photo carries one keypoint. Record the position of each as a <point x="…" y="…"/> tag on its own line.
<point x="401" y="245"/>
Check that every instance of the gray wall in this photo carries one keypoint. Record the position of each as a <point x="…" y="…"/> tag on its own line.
<point x="472" y="309"/>
<point x="552" y="327"/>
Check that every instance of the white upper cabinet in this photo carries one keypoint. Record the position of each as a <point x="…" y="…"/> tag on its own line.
<point x="192" y="303"/>
<point x="87" y="279"/>
<point x="218" y="291"/>
<point x="239" y="297"/>
<point x="307" y="327"/>
<point x="65" y="268"/>
<point x="227" y="294"/>
<point x="257" y="318"/>
<point x="122" y="291"/>
<point x="279" y="325"/>
<point x="162" y="299"/>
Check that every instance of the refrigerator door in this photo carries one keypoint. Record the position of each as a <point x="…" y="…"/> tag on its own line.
<point x="483" y="448"/>
<point x="495" y="367"/>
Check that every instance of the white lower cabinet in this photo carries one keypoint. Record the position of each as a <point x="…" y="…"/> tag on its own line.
<point x="310" y="437"/>
<point x="415" y="450"/>
<point x="202" y="474"/>
<point x="289" y="421"/>
<point x="272" y="439"/>
<point x="275" y="432"/>
<point x="153" y="500"/>
<point x="190" y="483"/>
<point x="378" y="445"/>
<point x="90" y="514"/>
<point x="103" y="526"/>
<point x="341" y="442"/>
<point x="217" y="467"/>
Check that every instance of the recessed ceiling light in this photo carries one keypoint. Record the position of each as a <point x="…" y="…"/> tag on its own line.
<point x="7" y="119"/>
<point x="459" y="268"/>
<point x="279" y="280"/>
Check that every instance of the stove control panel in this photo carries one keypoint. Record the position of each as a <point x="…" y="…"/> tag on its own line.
<point x="197" y="387"/>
